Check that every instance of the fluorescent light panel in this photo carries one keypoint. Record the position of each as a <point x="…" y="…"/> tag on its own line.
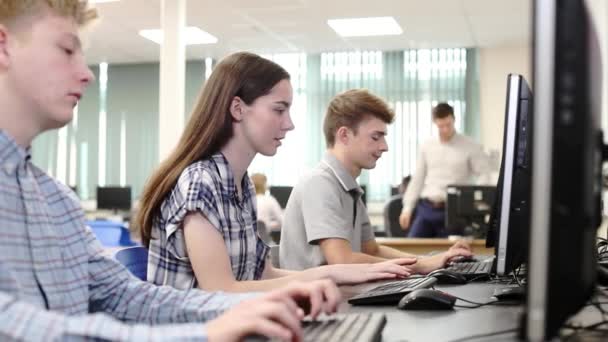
<point x="193" y="36"/>
<point x="365" y="27"/>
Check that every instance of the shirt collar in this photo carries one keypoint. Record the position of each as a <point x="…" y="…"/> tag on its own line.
<point x="12" y="156"/>
<point x="452" y="139"/>
<point x="227" y="177"/>
<point x="344" y="177"/>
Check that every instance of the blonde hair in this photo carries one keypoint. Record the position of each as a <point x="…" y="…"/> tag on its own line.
<point x="13" y="10"/>
<point x="259" y="182"/>
<point x="350" y="108"/>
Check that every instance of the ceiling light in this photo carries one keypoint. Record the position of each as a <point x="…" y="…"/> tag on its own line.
<point x="365" y="27"/>
<point x="193" y="36"/>
<point x="101" y="1"/>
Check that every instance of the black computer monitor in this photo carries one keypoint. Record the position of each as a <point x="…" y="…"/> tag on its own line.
<point x="510" y="219"/>
<point x="567" y="159"/>
<point x="281" y="193"/>
<point x="114" y="198"/>
<point x="467" y="208"/>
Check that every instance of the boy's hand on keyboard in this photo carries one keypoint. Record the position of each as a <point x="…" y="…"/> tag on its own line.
<point x="462" y="244"/>
<point x="313" y="297"/>
<point x="437" y="261"/>
<point x="276" y="314"/>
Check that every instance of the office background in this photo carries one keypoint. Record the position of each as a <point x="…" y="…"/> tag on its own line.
<point x="114" y="137"/>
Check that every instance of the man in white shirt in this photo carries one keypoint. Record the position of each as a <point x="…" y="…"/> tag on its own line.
<point x="451" y="159"/>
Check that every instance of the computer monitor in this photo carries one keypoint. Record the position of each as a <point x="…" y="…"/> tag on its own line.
<point x="510" y="220"/>
<point x="566" y="179"/>
<point x="467" y="208"/>
<point x="281" y="193"/>
<point x="114" y="198"/>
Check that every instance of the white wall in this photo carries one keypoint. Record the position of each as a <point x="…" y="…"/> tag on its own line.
<point x="495" y="64"/>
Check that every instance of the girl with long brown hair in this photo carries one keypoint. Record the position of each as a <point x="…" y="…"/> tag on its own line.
<point x="198" y="215"/>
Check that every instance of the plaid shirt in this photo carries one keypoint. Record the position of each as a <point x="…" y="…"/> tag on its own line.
<point x="206" y="187"/>
<point x="56" y="283"/>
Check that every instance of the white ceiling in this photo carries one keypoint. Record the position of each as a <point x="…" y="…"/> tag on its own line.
<point x="273" y="26"/>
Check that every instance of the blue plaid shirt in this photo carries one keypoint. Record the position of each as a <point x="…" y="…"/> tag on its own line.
<point x="206" y="187"/>
<point x="56" y="283"/>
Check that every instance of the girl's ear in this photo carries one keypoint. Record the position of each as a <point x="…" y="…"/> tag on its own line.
<point x="236" y="109"/>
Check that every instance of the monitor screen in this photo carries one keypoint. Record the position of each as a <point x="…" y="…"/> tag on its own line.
<point x="565" y="210"/>
<point x="281" y="193"/>
<point x="114" y="198"/>
<point x="510" y="219"/>
<point x="467" y="208"/>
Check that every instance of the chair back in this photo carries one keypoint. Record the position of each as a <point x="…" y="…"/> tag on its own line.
<point x="135" y="259"/>
<point x="111" y="233"/>
<point x="392" y="210"/>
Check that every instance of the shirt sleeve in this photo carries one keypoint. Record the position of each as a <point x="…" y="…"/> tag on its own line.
<point x="201" y="194"/>
<point x="113" y="290"/>
<point x="195" y="191"/>
<point x="122" y="307"/>
<point x="22" y="321"/>
<point x="412" y="194"/>
<point x="322" y="211"/>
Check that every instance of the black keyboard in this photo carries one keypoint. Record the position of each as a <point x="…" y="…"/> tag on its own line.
<point x="472" y="270"/>
<point x="391" y="293"/>
<point x="364" y="327"/>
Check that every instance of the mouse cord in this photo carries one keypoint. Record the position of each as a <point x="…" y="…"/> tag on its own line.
<point x="477" y="304"/>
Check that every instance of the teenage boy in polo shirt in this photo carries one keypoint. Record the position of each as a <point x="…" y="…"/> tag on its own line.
<point x="325" y="221"/>
<point x="55" y="281"/>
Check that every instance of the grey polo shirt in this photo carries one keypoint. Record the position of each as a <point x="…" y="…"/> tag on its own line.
<point x="326" y="203"/>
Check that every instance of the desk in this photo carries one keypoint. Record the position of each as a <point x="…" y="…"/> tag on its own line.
<point x="449" y="325"/>
<point x="424" y="246"/>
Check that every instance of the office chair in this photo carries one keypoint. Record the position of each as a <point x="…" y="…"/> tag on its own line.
<point x="392" y="210"/>
<point x="135" y="259"/>
<point x="111" y="233"/>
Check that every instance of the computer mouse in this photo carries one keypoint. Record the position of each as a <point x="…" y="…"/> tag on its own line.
<point x="447" y="277"/>
<point x="517" y="293"/>
<point x="427" y="299"/>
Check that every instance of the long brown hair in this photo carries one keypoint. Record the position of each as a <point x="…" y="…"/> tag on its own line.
<point x="241" y="74"/>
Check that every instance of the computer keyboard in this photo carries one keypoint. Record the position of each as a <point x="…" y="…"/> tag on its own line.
<point x="391" y="293"/>
<point x="363" y="327"/>
<point x="472" y="270"/>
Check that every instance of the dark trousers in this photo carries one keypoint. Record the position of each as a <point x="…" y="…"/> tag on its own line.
<point x="429" y="221"/>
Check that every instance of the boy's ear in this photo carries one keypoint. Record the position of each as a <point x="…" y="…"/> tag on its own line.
<point x="4" y="55"/>
<point x="342" y="134"/>
<point x="236" y="109"/>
